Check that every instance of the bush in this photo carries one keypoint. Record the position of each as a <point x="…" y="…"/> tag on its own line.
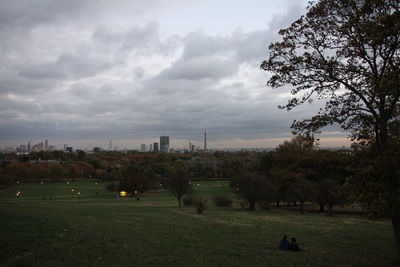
<point x="201" y="205"/>
<point x="222" y="200"/>
<point x="111" y="187"/>
<point x="190" y="200"/>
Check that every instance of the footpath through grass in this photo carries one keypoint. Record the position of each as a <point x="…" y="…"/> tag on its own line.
<point x="101" y="230"/>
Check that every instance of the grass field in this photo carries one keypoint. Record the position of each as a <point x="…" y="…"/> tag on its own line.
<point x="102" y="230"/>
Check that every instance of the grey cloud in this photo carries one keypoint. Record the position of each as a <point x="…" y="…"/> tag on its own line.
<point x="67" y="66"/>
<point x="97" y="87"/>
<point x="201" y="68"/>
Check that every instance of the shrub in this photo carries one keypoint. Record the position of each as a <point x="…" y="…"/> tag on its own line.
<point x="190" y="200"/>
<point x="222" y="200"/>
<point x="201" y="205"/>
<point x="111" y="187"/>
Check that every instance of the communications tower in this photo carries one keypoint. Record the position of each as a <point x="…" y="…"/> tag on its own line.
<point x="205" y="139"/>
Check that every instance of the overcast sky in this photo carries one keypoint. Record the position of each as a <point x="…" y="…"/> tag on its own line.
<point x="84" y="71"/>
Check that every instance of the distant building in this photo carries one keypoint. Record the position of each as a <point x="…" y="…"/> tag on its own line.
<point x="151" y="147"/>
<point x="155" y="147"/>
<point x="164" y="143"/>
<point x="143" y="148"/>
<point x="96" y="149"/>
<point x="70" y="149"/>
<point x="46" y="145"/>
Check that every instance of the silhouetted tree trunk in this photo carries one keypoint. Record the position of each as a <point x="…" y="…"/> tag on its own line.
<point x="302" y="210"/>
<point x="321" y="207"/>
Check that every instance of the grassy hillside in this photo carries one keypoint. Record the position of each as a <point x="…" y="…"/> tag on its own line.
<point x="101" y="230"/>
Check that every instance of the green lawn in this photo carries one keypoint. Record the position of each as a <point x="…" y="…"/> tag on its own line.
<point x="102" y="230"/>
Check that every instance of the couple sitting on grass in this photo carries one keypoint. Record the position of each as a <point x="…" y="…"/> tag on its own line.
<point x="284" y="244"/>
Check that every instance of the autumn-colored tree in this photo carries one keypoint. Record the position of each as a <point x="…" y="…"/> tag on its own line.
<point x="347" y="53"/>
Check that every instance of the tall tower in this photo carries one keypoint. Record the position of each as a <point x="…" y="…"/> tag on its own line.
<point x="205" y="139"/>
<point x="110" y="145"/>
<point x="46" y="145"/>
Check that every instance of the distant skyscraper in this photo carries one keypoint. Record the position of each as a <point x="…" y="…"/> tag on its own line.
<point x="46" y="145"/>
<point x="110" y="145"/>
<point x="143" y="148"/>
<point x="41" y="146"/>
<point x="164" y="143"/>
<point x="151" y="147"/>
<point x="155" y="147"/>
<point x="29" y="146"/>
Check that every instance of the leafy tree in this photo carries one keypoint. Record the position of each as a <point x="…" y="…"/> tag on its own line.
<point x="178" y="181"/>
<point x="329" y="192"/>
<point x="253" y="188"/>
<point x="291" y="170"/>
<point x="136" y="178"/>
<point x="56" y="172"/>
<point x="346" y="52"/>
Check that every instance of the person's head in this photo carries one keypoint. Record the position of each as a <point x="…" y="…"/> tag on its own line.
<point x="293" y="240"/>
<point x="284" y="237"/>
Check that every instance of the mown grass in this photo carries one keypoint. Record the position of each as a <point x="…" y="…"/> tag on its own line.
<point x="101" y="230"/>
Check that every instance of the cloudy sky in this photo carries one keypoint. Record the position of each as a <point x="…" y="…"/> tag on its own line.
<point x="84" y="71"/>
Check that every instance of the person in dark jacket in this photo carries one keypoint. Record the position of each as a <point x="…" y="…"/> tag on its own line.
<point x="284" y="243"/>
<point x="293" y="246"/>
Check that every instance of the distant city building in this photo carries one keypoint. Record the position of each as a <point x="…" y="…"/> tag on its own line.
<point x="110" y="145"/>
<point x="155" y="147"/>
<point x="29" y="146"/>
<point x="70" y="149"/>
<point x="46" y="145"/>
<point x="143" y="148"/>
<point x="96" y="149"/>
<point x="22" y="148"/>
<point x="164" y="143"/>
<point x="65" y="147"/>
<point x="151" y="147"/>
<point x="40" y="146"/>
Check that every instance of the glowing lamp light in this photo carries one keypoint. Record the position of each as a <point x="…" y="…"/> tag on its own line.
<point x="198" y="184"/>
<point x="72" y="190"/>
<point x="79" y="193"/>
<point x="67" y="182"/>
<point x="41" y="182"/>
<point x="17" y="182"/>
<point x="122" y="194"/>
<point x="136" y="192"/>
<point x="237" y="188"/>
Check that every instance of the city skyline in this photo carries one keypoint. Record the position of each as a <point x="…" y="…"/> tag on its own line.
<point x="132" y="70"/>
